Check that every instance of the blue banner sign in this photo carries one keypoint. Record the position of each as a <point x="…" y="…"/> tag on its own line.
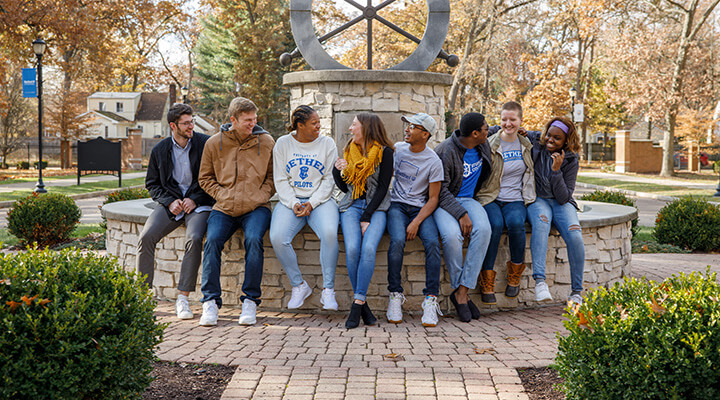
<point x="29" y="82"/>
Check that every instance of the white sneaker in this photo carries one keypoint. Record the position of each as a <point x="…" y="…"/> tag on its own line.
<point x="431" y="309"/>
<point x="249" y="311"/>
<point x="328" y="299"/>
<point x="575" y="298"/>
<point x="182" y="307"/>
<point x="394" y="310"/>
<point x="542" y="292"/>
<point x="210" y="314"/>
<point x="299" y="294"/>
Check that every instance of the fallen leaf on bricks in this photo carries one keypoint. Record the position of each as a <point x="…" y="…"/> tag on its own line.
<point x="393" y="356"/>
<point x="510" y="338"/>
<point x="487" y="350"/>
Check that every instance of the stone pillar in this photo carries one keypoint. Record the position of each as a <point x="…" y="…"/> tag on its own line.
<point x="693" y="156"/>
<point x="338" y="95"/>
<point x="132" y="151"/>
<point x="622" y="151"/>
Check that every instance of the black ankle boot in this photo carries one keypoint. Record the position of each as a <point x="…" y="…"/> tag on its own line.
<point x="354" y="318"/>
<point x="367" y="315"/>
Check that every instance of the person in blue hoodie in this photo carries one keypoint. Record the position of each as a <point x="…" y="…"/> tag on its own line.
<point x="556" y="167"/>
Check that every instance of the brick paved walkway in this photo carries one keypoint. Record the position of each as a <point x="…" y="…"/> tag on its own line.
<point x="312" y="356"/>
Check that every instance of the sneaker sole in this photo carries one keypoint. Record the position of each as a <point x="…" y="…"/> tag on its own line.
<point x="241" y="322"/>
<point x="185" y="316"/>
<point x="543" y="299"/>
<point x="394" y="322"/>
<point x="429" y="325"/>
<point x="208" y="324"/>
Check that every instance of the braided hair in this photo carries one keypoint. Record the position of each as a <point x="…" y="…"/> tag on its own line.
<point x="300" y="115"/>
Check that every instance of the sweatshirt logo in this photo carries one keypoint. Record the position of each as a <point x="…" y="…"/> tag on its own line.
<point x="304" y="172"/>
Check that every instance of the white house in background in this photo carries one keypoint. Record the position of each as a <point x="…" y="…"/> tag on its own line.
<point x="113" y="114"/>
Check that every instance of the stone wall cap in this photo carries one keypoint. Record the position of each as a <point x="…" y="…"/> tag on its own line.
<point x="593" y="213"/>
<point x="344" y="75"/>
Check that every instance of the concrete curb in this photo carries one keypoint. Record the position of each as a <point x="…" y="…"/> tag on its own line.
<point x="628" y="192"/>
<point x="8" y="203"/>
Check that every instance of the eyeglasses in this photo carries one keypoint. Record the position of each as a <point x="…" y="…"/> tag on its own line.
<point x="188" y="123"/>
<point x="413" y="126"/>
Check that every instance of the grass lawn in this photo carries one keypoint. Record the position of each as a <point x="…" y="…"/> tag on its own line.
<point x="74" y="189"/>
<point x="26" y="176"/>
<point x="80" y="231"/>
<point x="665" y="190"/>
<point x="644" y="242"/>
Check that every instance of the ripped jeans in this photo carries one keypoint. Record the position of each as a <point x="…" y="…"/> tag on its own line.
<point x="541" y="214"/>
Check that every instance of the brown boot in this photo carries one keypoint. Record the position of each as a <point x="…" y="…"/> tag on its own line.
<point x="514" y="272"/>
<point x="487" y="286"/>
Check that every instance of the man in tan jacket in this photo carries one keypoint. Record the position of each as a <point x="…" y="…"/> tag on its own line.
<point x="237" y="171"/>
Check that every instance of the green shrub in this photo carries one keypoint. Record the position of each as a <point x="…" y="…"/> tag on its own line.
<point x="23" y="165"/>
<point x="44" y="164"/>
<point x="122" y="195"/>
<point x="644" y="340"/>
<point x="689" y="222"/>
<point x="608" y="196"/>
<point x="74" y="326"/>
<point x="43" y="218"/>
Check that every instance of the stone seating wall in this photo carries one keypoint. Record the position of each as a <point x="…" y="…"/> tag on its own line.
<point x="606" y="232"/>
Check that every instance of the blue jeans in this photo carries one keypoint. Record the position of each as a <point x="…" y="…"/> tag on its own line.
<point x="465" y="274"/>
<point x="399" y="217"/>
<point x="546" y="212"/>
<point x="360" y="248"/>
<point x="511" y="215"/>
<point x="220" y="228"/>
<point x="324" y="222"/>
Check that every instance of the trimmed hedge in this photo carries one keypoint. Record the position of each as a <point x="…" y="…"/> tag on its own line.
<point x="45" y="219"/>
<point x="74" y="326"/>
<point x="608" y="196"/>
<point x="689" y="222"/>
<point x="644" y="340"/>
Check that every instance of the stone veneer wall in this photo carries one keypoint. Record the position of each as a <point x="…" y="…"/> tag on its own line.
<point x="338" y="95"/>
<point x="607" y="260"/>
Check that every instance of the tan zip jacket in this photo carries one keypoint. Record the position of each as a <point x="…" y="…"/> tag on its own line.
<point x="491" y="188"/>
<point x="238" y="175"/>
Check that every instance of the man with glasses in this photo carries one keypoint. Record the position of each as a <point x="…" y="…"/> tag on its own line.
<point x="172" y="180"/>
<point x="418" y="177"/>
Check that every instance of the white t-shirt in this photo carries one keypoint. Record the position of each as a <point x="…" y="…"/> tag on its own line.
<point x="413" y="174"/>
<point x="303" y="170"/>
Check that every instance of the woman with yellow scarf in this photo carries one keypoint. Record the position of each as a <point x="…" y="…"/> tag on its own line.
<point x="364" y="175"/>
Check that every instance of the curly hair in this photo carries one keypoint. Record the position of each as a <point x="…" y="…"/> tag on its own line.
<point x="299" y="116"/>
<point x="572" y="140"/>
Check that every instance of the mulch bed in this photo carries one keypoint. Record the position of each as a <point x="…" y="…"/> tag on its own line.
<point x="185" y="381"/>
<point x="539" y="383"/>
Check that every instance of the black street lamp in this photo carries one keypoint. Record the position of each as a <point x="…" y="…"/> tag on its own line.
<point x="39" y="46"/>
<point x="184" y="92"/>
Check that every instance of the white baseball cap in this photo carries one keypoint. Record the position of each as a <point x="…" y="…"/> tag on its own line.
<point x="423" y="120"/>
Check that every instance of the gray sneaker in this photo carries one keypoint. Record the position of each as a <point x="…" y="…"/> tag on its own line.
<point x="394" y="310"/>
<point x="575" y="298"/>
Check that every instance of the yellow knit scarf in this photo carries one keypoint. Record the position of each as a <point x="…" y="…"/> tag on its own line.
<point x="360" y="167"/>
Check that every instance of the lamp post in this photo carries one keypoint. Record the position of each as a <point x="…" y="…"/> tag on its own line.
<point x="39" y="46"/>
<point x="184" y="92"/>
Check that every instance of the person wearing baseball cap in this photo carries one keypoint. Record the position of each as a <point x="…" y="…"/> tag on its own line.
<point x="414" y="197"/>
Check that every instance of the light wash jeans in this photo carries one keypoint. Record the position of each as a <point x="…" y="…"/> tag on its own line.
<point x="324" y="222"/>
<point x="360" y="249"/>
<point x="465" y="274"/>
<point x="544" y="212"/>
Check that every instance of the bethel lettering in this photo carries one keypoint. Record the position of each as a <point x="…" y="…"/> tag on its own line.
<point x="296" y="162"/>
